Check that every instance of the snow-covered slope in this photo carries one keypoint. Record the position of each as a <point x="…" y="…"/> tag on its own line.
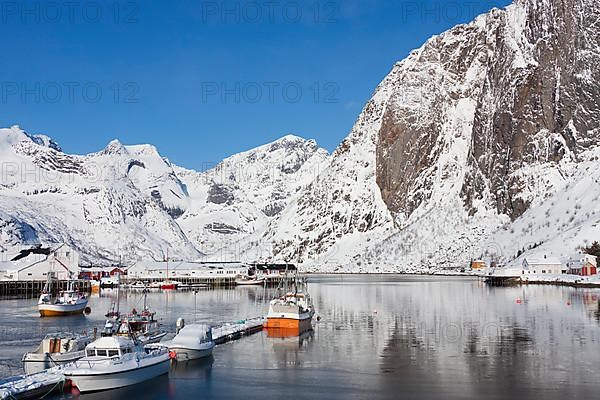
<point x="108" y="205"/>
<point x="461" y="138"/>
<point x="231" y="204"/>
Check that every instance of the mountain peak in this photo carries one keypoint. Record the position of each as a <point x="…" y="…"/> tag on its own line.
<point x="15" y="134"/>
<point x="114" y="147"/>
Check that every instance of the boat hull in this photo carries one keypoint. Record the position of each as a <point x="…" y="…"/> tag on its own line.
<point x="33" y="362"/>
<point x="114" y="380"/>
<point x="282" y="327"/>
<point x="58" y="310"/>
<point x="185" y="354"/>
<point x="249" y="282"/>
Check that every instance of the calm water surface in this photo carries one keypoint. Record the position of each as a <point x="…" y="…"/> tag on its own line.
<point x="390" y="337"/>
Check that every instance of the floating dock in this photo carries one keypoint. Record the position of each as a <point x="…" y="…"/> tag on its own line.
<point x="232" y="331"/>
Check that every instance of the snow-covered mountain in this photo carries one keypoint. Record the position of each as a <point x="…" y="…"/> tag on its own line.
<point x="128" y="202"/>
<point x="231" y="204"/>
<point x="464" y="137"/>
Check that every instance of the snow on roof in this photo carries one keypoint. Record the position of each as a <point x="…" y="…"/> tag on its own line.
<point x="185" y="265"/>
<point x="542" y="261"/>
<point x="110" y="342"/>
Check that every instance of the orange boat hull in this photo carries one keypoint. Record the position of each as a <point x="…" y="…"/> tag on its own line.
<point x="284" y="327"/>
<point x="53" y="313"/>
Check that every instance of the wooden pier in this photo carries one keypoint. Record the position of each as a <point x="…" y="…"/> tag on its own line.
<point x="30" y="289"/>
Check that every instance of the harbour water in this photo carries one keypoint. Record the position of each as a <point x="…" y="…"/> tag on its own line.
<point x="379" y="337"/>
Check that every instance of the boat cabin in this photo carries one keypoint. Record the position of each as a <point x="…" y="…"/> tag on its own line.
<point x="109" y="347"/>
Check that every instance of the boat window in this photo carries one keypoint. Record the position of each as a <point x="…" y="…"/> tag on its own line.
<point x="91" y="353"/>
<point x="113" y="353"/>
<point x="102" y="353"/>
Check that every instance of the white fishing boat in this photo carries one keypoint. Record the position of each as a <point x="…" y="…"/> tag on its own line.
<point x="55" y="349"/>
<point x="192" y="342"/>
<point x="116" y="361"/>
<point x="246" y="280"/>
<point x="68" y="302"/>
<point x="142" y="323"/>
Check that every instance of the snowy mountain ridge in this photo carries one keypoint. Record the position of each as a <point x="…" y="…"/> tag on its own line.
<point x="127" y="202"/>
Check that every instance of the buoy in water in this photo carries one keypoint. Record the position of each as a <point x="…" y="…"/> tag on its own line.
<point x="87" y="310"/>
<point x="519" y="301"/>
<point x="172" y="355"/>
<point x="318" y="317"/>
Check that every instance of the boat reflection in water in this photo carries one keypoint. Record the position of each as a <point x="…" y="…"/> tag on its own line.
<point x="197" y="370"/>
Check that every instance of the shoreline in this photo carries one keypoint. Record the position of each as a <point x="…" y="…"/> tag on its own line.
<point x="570" y="281"/>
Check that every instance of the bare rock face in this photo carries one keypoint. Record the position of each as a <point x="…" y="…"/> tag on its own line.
<point x="531" y="72"/>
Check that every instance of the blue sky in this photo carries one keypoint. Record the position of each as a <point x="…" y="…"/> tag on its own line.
<point x="202" y="80"/>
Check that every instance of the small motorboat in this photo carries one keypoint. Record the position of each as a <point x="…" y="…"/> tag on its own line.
<point x="117" y="361"/>
<point x="68" y="302"/>
<point x="138" y="285"/>
<point x="168" y="285"/>
<point x="246" y="280"/>
<point x="56" y="349"/>
<point x="192" y="342"/>
<point x="110" y="282"/>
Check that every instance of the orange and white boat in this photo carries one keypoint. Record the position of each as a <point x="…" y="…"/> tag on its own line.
<point x="68" y="302"/>
<point x="290" y="314"/>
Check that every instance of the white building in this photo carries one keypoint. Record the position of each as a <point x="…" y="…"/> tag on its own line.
<point x="183" y="269"/>
<point x="542" y="265"/>
<point x="36" y="262"/>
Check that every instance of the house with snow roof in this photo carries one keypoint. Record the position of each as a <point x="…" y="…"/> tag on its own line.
<point x="151" y="269"/>
<point x="543" y="265"/>
<point x="582" y="264"/>
<point x="36" y="262"/>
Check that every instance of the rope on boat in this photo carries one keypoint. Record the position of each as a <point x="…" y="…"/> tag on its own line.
<point x="61" y="383"/>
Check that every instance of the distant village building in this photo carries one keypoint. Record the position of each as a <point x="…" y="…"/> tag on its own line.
<point x="37" y="262"/>
<point x="582" y="264"/>
<point x="97" y="273"/>
<point x="478" y="264"/>
<point x="183" y="269"/>
<point x="542" y="265"/>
